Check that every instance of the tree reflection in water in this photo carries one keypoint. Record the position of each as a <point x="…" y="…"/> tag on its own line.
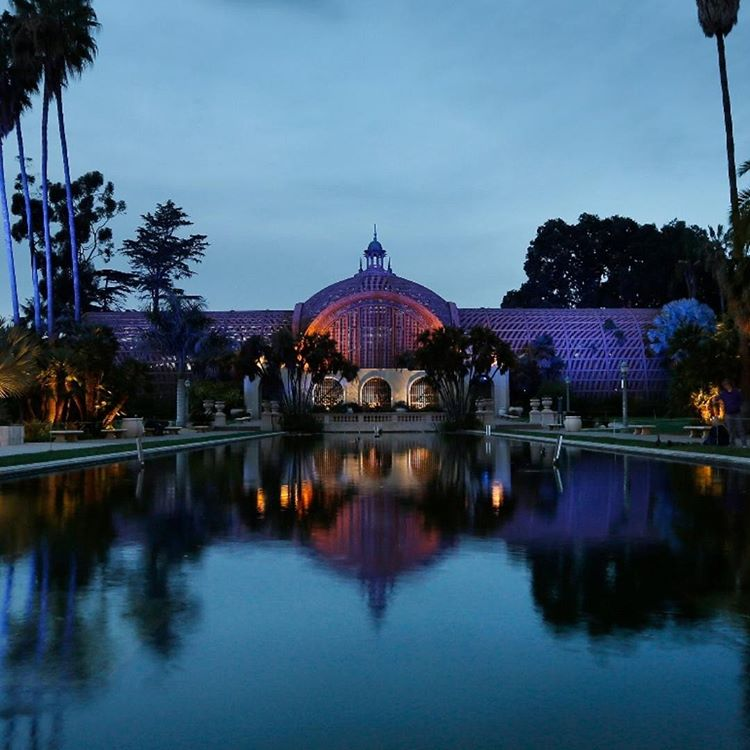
<point x="613" y="545"/>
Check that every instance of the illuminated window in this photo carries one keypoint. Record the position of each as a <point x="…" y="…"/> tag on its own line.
<point x="376" y="393"/>
<point x="422" y="395"/>
<point x="329" y="393"/>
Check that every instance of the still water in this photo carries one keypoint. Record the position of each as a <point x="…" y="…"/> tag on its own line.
<point x="395" y="593"/>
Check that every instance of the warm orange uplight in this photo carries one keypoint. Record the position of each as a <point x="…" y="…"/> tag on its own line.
<point x="703" y="401"/>
<point x="708" y="481"/>
<point x="307" y="493"/>
<point x="498" y="495"/>
<point x="261" y="501"/>
<point x="284" y="496"/>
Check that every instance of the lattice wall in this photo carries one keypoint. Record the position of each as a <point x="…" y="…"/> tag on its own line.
<point x="130" y="327"/>
<point x="593" y="343"/>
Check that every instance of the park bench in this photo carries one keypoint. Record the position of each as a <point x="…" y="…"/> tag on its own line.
<point x="698" y="430"/>
<point x="65" y="436"/>
<point x="172" y="430"/>
<point x="113" y="434"/>
<point x="643" y="429"/>
<point x="201" y="427"/>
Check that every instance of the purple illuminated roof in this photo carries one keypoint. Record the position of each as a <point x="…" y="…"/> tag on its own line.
<point x="375" y="280"/>
<point x="130" y="326"/>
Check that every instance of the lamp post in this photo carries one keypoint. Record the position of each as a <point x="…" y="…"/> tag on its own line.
<point x="567" y="393"/>
<point x="624" y="373"/>
<point x="187" y="399"/>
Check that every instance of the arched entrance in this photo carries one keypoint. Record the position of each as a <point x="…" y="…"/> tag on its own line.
<point x="422" y="394"/>
<point x="328" y="394"/>
<point x="376" y="394"/>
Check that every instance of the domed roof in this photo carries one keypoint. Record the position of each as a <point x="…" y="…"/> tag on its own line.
<point x="372" y="280"/>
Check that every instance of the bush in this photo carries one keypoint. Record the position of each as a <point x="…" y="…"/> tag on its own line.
<point x="213" y="390"/>
<point x="470" y="422"/>
<point x="36" y="431"/>
<point x="301" y="423"/>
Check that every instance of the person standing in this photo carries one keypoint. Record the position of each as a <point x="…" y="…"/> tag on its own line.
<point x="731" y="397"/>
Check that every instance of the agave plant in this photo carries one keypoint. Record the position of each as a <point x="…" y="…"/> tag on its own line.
<point x="19" y="361"/>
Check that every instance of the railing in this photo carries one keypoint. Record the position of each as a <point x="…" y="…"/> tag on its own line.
<point x="386" y="421"/>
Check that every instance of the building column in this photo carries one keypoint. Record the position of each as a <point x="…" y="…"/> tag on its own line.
<point x="501" y="390"/>
<point x="251" y="392"/>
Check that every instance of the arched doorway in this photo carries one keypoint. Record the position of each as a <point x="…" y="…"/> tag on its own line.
<point x="328" y="394"/>
<point x="376" y="394"/>
<point x="422" y="394"/>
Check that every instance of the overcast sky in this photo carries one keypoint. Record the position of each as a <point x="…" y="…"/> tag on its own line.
<point x="285" y="128"/>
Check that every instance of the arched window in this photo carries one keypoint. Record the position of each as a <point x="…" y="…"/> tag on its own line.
<point x="376" y="393"/>
<point x="329" y="393"/>
<point x="422" y="395"/>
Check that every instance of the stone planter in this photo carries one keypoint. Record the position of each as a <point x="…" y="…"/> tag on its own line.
<point x="535" y="416"/>
<point x="133" y="427"/>
<point x="547" y="402"/>
<point x="572" y="423"/>
<point x="12" y="435"/>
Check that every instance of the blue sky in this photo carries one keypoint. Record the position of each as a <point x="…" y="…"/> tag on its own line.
<point x="285" y="128"/>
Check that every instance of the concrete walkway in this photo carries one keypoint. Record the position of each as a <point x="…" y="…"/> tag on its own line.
<point x="36" y="458"/>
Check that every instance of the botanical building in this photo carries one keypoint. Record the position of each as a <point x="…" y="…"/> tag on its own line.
<point x="376" y="315"/>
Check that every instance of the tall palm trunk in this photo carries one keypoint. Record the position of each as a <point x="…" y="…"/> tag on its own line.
<point x="728" y="126"/>
<point x="29" y="225"/>
<point x="181" y="406"/>
<point x="8" y="239"/>
<point x="45" y="213"/>
<point x="71" y="215"/>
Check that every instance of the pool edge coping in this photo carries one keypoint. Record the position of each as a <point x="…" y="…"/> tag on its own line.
<point x="665" y="454"/>
<point x="127" y="454"/>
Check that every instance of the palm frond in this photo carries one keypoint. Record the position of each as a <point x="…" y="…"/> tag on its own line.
<point x="19" y="362"/>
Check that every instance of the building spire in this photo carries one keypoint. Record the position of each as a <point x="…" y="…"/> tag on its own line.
<point x="375" y="254"/>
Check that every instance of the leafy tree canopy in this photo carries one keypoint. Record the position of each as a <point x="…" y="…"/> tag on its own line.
<point x="616" y="262"/>
<point x="95" y="207"/>
<point x="293" y="365"/>
<point x="159" y="256"/>
<point x="675" y="317"/>
<point x="456" y="362"/>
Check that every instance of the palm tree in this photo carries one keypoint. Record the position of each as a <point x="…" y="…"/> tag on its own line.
<point x="179" y="331"/>
<point x="26" y="79"/>
<point x="11" y="101"/>
<point x="717" y="18"/>
<point x="63" y="31"/>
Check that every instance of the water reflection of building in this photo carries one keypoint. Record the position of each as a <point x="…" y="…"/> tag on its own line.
<point x="377" y="541"/>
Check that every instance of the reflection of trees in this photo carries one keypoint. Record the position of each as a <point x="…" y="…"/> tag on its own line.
<point x="685" y="572"/>
<point x="610" y="549"/>
<point x="461" y="493"/>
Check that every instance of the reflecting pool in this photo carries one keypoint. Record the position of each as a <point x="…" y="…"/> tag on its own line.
<point x="376" y="593"/>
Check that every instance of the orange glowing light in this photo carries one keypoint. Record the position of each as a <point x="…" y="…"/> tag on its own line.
<point x="307" y="493"/>
<point x="498" y="495"/>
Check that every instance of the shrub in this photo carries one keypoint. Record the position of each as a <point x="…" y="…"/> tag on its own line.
<point x="36" y="431"/>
